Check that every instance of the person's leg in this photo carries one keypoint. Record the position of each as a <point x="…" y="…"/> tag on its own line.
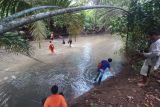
<point x="97" y="76"/>
<point x="145" y="72"/>
<point x="52" y="50"/>
<point x="101" y="75"/>
<point x="100" y="78"/>
<point x="149" y="70"/>
<point x="70" y="43"/>
<point x="158" y="77"/>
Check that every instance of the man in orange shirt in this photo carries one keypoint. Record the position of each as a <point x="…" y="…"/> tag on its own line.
<point x="55" y="100"/>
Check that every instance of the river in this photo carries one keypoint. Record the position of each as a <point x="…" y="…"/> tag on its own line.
<point x="24" y="82"/>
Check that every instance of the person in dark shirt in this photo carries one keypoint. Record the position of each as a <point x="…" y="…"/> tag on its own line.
<point x="102" y="66"/>
<point x="70" y="42"/>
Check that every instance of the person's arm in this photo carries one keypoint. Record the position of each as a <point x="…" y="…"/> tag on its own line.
<point x="64" y="104"/>
<point x="109" y="67"/>
<point x="46" y="104"/>
<point x="154" y="52"/>
<point x="110" y="70"/>
<point x="99" y="66"/>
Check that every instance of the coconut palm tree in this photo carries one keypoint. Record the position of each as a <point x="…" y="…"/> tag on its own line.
<point x="38" y="29"/>
<point x="10" y="25"/>
<point x="104" y="17"/>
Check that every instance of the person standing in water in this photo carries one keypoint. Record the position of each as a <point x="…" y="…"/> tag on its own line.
<point x="70" y="42"/>
<point x="51" y="47"/>
<point x="52" y="36"/>
<point x="61" y="37"/>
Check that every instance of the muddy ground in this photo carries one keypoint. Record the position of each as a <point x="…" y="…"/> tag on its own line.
<point x="121" y="91"/>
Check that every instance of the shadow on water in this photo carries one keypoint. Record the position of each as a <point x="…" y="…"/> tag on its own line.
<point x="74" y="75"/>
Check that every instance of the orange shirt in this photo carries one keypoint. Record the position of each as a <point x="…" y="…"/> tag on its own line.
<point x="55" y="101"/>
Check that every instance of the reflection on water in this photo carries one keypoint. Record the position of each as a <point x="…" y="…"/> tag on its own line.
<point x="72" y="69"/>
<point x="81" y="85"/>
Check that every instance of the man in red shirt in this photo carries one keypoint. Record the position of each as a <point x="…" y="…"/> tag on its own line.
<point x="55" y="100"/>
<point x="51" y="47"/>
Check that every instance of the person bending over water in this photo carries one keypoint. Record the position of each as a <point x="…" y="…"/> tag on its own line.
<point x="102" y="67"/>
<point x="55" y="100"/>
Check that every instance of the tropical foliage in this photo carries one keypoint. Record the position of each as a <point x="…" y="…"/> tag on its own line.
<point x="14" y="42"/>
<point x="144" y="16"/>
<point x="99" y="20"/>
<point x="73" y="22"/>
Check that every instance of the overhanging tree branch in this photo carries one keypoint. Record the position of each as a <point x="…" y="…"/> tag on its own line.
<point x="21" y="13"/>
<point x="7" y="26"/>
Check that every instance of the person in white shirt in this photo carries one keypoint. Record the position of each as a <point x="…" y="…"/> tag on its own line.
<point x="152" y="61"/>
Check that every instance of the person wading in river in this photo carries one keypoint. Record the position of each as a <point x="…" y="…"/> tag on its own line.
<point x="51" y="47"/>
<point x="52" y="36"/>
<point x="61" y="37"/>
<point x="55" y="100"/>
<point x="152" y="58"/>
<point x="102" y="67"/>
<point x="70" y="42"/>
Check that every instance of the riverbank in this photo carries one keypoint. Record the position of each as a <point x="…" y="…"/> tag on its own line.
<point x="121" y="91"/>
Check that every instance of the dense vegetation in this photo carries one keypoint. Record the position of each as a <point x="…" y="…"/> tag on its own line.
<point x="64" y="25"/>
<point x="144" y="16"/>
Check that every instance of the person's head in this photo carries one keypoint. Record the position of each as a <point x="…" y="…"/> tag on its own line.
<point x="50" y="41"/>
<point x="109" y="59"/>
<point x="54" y="89"/>
<point x="153" y="35"/>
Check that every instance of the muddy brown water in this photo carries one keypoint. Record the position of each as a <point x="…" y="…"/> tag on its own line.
<point x="24" y="82"/>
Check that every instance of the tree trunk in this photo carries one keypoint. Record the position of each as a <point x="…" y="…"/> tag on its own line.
<point x="7" y="26"/>
<point x="21" y="13"/>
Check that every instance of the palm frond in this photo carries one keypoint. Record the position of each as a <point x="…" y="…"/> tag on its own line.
<point x="75" y="23"/>
<point x="61" y="3"/>
<point x="8" y="7"/>
<point x="38" y="30"/>
<point x="14" y="42"/>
